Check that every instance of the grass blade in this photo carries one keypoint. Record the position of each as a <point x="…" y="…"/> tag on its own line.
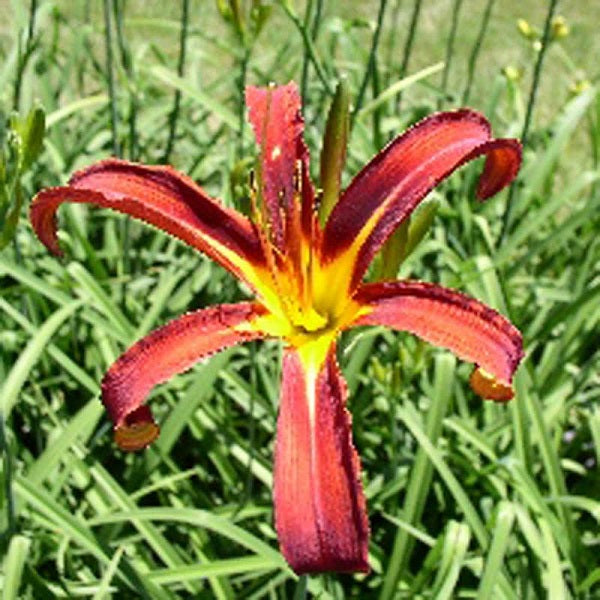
<point x="14" y="561"/>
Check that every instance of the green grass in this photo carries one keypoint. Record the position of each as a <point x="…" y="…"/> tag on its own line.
<point x="466" y="499"/>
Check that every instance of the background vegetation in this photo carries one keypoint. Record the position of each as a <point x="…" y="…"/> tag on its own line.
<point x="466" y="499"/>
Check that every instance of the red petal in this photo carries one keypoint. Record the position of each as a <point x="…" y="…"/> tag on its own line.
<point x="472" y="330"/>
<point x="388" y="189"/>
<point x="278" y="126"/>
<point x="166" y="351"/>
<point x="160" y="196"/>
<point x="320" y="512"/>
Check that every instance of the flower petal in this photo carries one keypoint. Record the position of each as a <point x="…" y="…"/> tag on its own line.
<point x="472" y="330"/>
<point x="320" y="512"/>
<point x="171" y="349"/>
<point x="388" y="189"/>
<point x="278" y="125"/>
<point x="162" y="197"/>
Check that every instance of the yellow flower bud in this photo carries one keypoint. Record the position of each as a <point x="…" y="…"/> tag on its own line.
<point x="579" y="86"/>
<point x="525" y="28"/>
<point x="560" y="29"/>
<point x="512" y="73"/>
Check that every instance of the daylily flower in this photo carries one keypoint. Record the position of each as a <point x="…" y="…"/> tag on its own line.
<point x="308" y="284"/>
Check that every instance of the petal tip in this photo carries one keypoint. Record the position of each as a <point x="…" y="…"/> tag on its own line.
<point x="304" y="564"/>
<point x="490" y="387"/>
<point x="501" y="167"/>
<point x="137" y="432"/>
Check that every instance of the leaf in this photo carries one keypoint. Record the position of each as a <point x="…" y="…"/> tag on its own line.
<point x="13" y="566"/>
<point x="28" y="358"/>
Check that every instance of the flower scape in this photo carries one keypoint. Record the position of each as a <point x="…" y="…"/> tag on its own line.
<point x="307" y="278"/>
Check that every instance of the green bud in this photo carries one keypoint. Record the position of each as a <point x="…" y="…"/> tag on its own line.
<point x="34" y="138"/>
<point x="259" y="13"/>
<point x="420" y="223"/>
<point x="393" y="252"/>
<point x="10" y="219"/>
<point x="333" y="155"/>
<point x="30" y="131"/>
<point x="404" y="240"/>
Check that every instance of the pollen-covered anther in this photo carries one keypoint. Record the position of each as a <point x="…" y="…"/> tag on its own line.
<point x="487" y="386"/>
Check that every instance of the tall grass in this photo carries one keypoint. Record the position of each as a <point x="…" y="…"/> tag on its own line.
<point x="466" y="499"/>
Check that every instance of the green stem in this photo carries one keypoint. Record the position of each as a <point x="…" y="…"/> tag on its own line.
<point x="128" y="67"/>
<point x="476" y="50"/>
<point x="242" y="104"/>
<point x="368" y="75"/>
<point x="506" y="222"/>
<point x="449" y="51"/>
<point x="110" y="78"/>
<point x="408" y="46"/>
<point x="310" y="48"/>
<point x="173" y="117"/>
<point x="391" y="51"/>
<point x="23" y="58"/>
<point x="378" y="112"/>
<point x="305" y="57"/>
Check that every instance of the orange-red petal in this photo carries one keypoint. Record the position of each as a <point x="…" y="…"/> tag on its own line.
<point x="473" y="331"/>
<point x="278" y="125"/>
<point x="171" y="349"/>
<point x="389" y="188"/>
<point x="320" y="513"/>
<point x="162" y="197"/>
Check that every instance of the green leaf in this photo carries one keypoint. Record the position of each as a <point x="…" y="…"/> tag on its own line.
<point x="13" y="566"/>
<point x="502" y="529"/>
<point x="28" y="358"/>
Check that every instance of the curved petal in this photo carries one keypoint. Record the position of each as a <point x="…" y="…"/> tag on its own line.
<point x="320" y="512"/>
<point x="274" y="113"/>
<point x="388" y="189"/>
<point x="162" y="197"/>
<point x="171" y="349"/>
<point x="472" y="330"/>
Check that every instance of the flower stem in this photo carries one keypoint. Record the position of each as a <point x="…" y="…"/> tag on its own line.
<point x="476" y="50"/>
<point x="23" y="57"/>
<point x="110" y="78"/>
<point x="408" y="46"/>
<point x="506" y="222"/>
<point x="372" y="57"/>
<point x="174" y="115"/>
<point x="314" y="30"/>
<point x="449" y="52"/>
<point x="128" y="67"/>
<point x="310" y="48"/>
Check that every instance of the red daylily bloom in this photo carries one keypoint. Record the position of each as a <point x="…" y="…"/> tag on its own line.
<point x="308" y="285"/>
